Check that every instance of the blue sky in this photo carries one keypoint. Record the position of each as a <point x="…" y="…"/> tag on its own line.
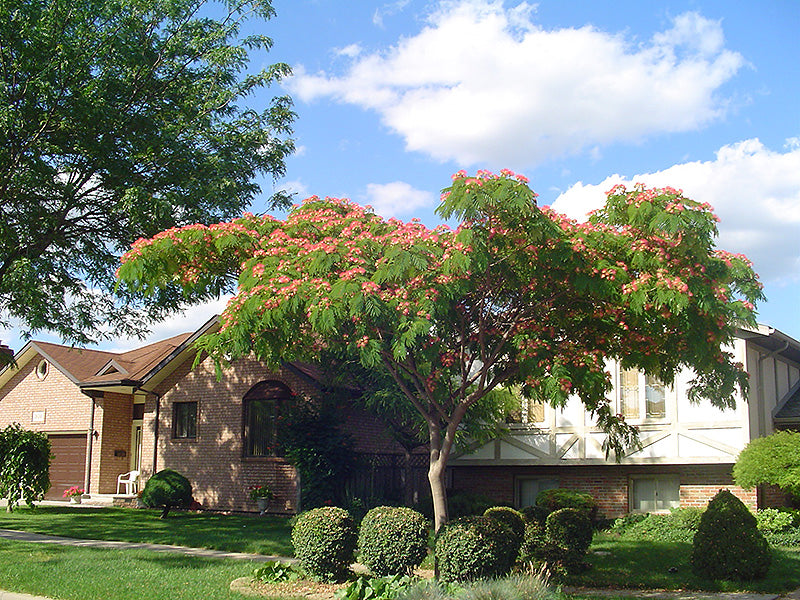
<point x="392" y="98"/>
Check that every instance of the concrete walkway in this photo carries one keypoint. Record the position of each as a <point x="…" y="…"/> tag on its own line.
<point x="25" y="536"/>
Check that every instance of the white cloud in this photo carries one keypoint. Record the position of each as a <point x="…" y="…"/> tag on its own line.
<point x="388" y="10"/>
<point x="350" y="51"/>
<point x="296" y="187"/>
<point x="480" y="83"/>
<point x="397" y="198"/>
<point x="754" y="191"/>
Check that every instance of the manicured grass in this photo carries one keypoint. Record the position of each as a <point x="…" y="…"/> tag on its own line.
<point x="617" y="563"/>
<point x="70" y="573"/>
<point x="233" y="533"/>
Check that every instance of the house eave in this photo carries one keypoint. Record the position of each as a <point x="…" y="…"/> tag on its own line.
<point x="122" y="386"/>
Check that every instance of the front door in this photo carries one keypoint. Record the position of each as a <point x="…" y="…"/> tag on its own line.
<point x="136" y="445"/>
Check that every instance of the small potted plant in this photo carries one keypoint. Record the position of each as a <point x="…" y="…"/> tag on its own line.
<point x="74" y="494"/>
<point x="261" y="495"/>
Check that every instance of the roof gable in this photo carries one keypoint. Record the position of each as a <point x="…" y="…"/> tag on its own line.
<point x="788" y="408"/>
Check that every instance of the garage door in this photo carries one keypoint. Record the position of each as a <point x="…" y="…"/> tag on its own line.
<point x="68" y="465"/>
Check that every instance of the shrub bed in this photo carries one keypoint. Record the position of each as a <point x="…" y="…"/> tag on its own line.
<point x="679" y="525"/>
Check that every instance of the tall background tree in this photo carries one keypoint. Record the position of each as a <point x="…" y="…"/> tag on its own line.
<point x="517" y="295"/>
<point x="119" y="119"/>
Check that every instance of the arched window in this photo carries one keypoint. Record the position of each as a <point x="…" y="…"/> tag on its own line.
<point x="263" y="404"/>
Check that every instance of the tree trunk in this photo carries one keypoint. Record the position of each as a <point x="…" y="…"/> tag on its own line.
<point x="436" y="470"/>
<point x="409" y="498"/>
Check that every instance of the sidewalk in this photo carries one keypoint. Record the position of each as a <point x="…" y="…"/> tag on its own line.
<point x="24" y="536"/>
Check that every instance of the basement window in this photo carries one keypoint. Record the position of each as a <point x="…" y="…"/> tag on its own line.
<point x="655" y="493"/>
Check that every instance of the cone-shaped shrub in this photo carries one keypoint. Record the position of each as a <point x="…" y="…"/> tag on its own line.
<point x="728" y="544"/>
<point x="324" y="541"/>
<point x="392" y="540"/>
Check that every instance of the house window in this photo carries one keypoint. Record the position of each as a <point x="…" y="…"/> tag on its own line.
<point x="184" y="420"/>
<point x="532" y="411"/>
<point x="41" y="369"/>
<point x="655" y="493"/>
<point x="263" y="405"/>
<point x="641" y="393"/>
<point x="529" y="487"/>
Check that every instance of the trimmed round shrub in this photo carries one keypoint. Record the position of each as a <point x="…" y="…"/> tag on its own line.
<point x="392" y="540"/>
<point x="510" y="518"/>
<point x="474" y="548"/>
<point x="167" y="489"/>
<point x="534" y="513"/>
<point x="568" y="534"/>
<point x="728" y="544"/>
<point x="533" y="543"/>
<point x="552" y="500"/>
<point x="324" y="541"/>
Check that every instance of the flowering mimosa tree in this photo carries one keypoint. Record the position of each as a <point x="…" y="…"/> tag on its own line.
<point x="516" y="295"/>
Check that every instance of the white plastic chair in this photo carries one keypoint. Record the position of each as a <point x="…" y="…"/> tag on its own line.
<point x="130" y="480"/>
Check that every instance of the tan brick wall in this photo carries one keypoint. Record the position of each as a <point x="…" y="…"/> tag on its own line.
<point x="213" y="461"/>
<point x="65" y="407"/>
<point x="113" y="414"/>
<point x="607" y="484"/>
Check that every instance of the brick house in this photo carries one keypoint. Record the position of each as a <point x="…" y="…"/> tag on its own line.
<point x="688" y="450"/>
<point x="153" y="408"/>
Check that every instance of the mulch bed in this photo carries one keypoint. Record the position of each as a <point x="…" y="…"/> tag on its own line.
<point x="304" y="588"/>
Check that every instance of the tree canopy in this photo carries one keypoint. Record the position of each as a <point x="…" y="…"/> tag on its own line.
<point x="119" y="119"/>
<point x="771" y="460"/>
<point x="516" y="295"/>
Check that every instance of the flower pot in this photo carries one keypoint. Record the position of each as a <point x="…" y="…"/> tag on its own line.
<point x="262" y="503"/>
<point x="74" y="499"/>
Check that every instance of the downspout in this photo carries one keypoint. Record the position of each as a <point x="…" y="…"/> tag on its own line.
<point x="155" y="432"/>
<point x="87" y="480"/>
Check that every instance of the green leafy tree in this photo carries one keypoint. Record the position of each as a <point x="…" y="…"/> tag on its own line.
<point x="517" y="295"/>
<point x="119" y="119"/>
<point x="771" y="460"/>
<point x="24" y="465"/>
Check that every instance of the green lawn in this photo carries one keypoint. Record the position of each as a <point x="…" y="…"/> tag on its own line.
<point x="233" y="533"/>
<point x="70" y="573"/>
<point x="617" y="563"/>
<point x="88" y="573"/>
